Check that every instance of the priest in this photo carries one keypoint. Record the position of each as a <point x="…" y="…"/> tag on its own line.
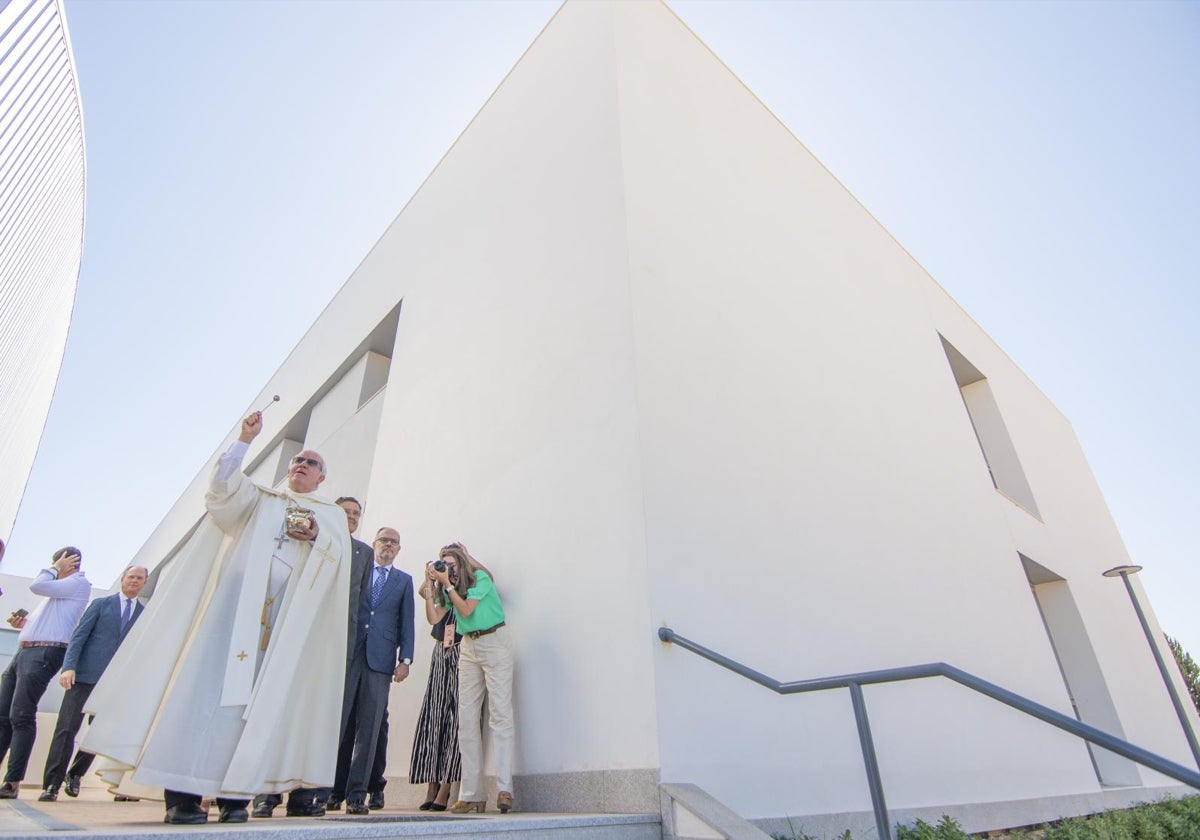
<point x="243" y="642"/>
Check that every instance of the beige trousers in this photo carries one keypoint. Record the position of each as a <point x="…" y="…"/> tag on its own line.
<point x="485" y="668"/>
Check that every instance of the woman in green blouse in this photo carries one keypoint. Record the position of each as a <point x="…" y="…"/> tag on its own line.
<point x="485" y="667"/>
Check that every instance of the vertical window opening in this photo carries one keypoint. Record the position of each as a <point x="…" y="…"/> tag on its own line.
<point x="1080" y="669"/>
<point x="999" y="453"/>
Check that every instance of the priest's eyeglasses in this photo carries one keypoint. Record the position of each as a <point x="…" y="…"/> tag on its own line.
<point x="300" y="459"/>
<point x="387" y="541"/>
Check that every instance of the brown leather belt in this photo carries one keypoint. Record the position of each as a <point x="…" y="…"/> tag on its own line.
<point x="43" y="644"/>
<point x="475" y="634"/>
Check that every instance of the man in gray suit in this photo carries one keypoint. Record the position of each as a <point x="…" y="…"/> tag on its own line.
<point x="97" y="637"/>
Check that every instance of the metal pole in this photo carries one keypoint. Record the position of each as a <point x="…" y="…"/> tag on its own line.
<point x="874" y="783"/>
<point x="1162" y="668"/>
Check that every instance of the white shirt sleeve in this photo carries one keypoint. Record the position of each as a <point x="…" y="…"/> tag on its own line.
<point x="231" y="461"/>
<point x="72" y="586"/>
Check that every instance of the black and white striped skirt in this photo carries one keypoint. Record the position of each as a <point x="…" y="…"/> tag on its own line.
<point x="435" y="755"/>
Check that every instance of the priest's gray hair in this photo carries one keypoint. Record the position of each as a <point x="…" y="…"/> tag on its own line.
<point x="129" y="569"/>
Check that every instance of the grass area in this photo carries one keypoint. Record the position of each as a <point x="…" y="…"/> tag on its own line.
<point x="1170" y="819"/>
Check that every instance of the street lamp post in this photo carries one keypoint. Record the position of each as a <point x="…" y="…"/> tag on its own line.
<point x="1123" y="572"/>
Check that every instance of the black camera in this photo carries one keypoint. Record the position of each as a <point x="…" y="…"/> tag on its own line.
<point x="439" y="565"/>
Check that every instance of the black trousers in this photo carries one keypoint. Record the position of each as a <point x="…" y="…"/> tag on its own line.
<point x="354" y="673"/>
<point x="377" y="781"/>
<point x="299" y="798"/>
<point x="367" y="696"/>
<point x="70" y="719"/>
<point x="305" y="796"/>
<point x="177" y="797"/>
<point x="21" y="687"/>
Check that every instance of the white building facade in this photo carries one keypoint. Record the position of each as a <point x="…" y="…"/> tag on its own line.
<point x="645" y="356"/>
<point x="42" y="192"/>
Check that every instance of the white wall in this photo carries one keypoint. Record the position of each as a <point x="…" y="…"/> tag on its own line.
<point x="816" y="501"/>
<point x="510" y="421"/>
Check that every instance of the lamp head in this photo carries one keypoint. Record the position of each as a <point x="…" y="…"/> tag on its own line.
<point x="1122" y="571"/>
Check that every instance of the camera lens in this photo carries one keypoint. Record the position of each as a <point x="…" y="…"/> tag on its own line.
<point x="439" y="565"/>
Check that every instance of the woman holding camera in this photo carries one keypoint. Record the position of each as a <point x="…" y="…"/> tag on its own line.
<point x="435" y="756"/>
<point x="485" y="667"/>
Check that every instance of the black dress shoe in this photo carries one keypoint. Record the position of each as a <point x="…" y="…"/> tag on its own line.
<point x="357" y="809"/>
<point x="50" y="794"/>
<point x="334" y="804"/>
<point x="262" y="810"/>
<point x="185" y="815"/>
<point x="375" y="801"/>
<point x="9" y="790"/>
<point x="71" y="788"/>
<point x="233" y="815"/>
<point x="316" y="809"/>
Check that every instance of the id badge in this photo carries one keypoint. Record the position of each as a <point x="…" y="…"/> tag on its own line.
<point x="448" y="635"/>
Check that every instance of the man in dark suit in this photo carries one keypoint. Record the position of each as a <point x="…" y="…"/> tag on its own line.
<point x="383" y="632"/>
<point x="97" y="637"/>
<point x="310" y="802"/>
<point x="363" y="564"/>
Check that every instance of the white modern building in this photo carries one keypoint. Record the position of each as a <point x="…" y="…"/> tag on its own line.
<point x="640" y="351"/>
<point x="42" y="191"/>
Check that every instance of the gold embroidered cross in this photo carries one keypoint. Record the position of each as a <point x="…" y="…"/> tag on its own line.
<point x="325" y="557"/>
<point x="241" y="656"/>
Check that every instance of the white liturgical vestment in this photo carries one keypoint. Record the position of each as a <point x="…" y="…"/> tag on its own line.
<point x="201" y="697"/>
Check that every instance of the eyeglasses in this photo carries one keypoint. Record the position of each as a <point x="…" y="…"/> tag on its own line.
<point x="387" y="541"/>
<point x="300" y="459"/>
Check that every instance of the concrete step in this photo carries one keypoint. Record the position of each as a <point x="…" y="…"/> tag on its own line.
<point x="103" y="819"/>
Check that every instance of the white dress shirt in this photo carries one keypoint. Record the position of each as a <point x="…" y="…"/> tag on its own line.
<point x="54" y="619"/>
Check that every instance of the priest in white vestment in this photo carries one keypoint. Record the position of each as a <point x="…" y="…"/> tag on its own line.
<point x="230" y="684"/>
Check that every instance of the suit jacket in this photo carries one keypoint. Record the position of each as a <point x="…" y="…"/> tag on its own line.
<point x="388" y="626"/>
<point x="362" y="559"/>
<point x="97" y="637"/>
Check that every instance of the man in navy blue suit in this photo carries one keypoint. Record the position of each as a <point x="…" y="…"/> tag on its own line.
<point x="97" y="637"/>
<point x="384" y="631"/>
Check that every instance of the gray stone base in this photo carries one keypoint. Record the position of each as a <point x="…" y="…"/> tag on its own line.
<point x="589" y="792"/>
<point x="976" y="817"/>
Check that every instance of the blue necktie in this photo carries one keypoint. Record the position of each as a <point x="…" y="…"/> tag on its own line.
<point x="377" y="586"/>
<point x="125" y="613"/>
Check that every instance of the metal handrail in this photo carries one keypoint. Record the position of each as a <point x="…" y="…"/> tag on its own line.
<point x="855" y="682"/>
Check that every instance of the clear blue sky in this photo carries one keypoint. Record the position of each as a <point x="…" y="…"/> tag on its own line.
<point x="1039" y="159"/>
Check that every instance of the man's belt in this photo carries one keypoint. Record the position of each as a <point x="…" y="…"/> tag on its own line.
<point x="54" y="644"/>
<point x="475" y="634"/>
